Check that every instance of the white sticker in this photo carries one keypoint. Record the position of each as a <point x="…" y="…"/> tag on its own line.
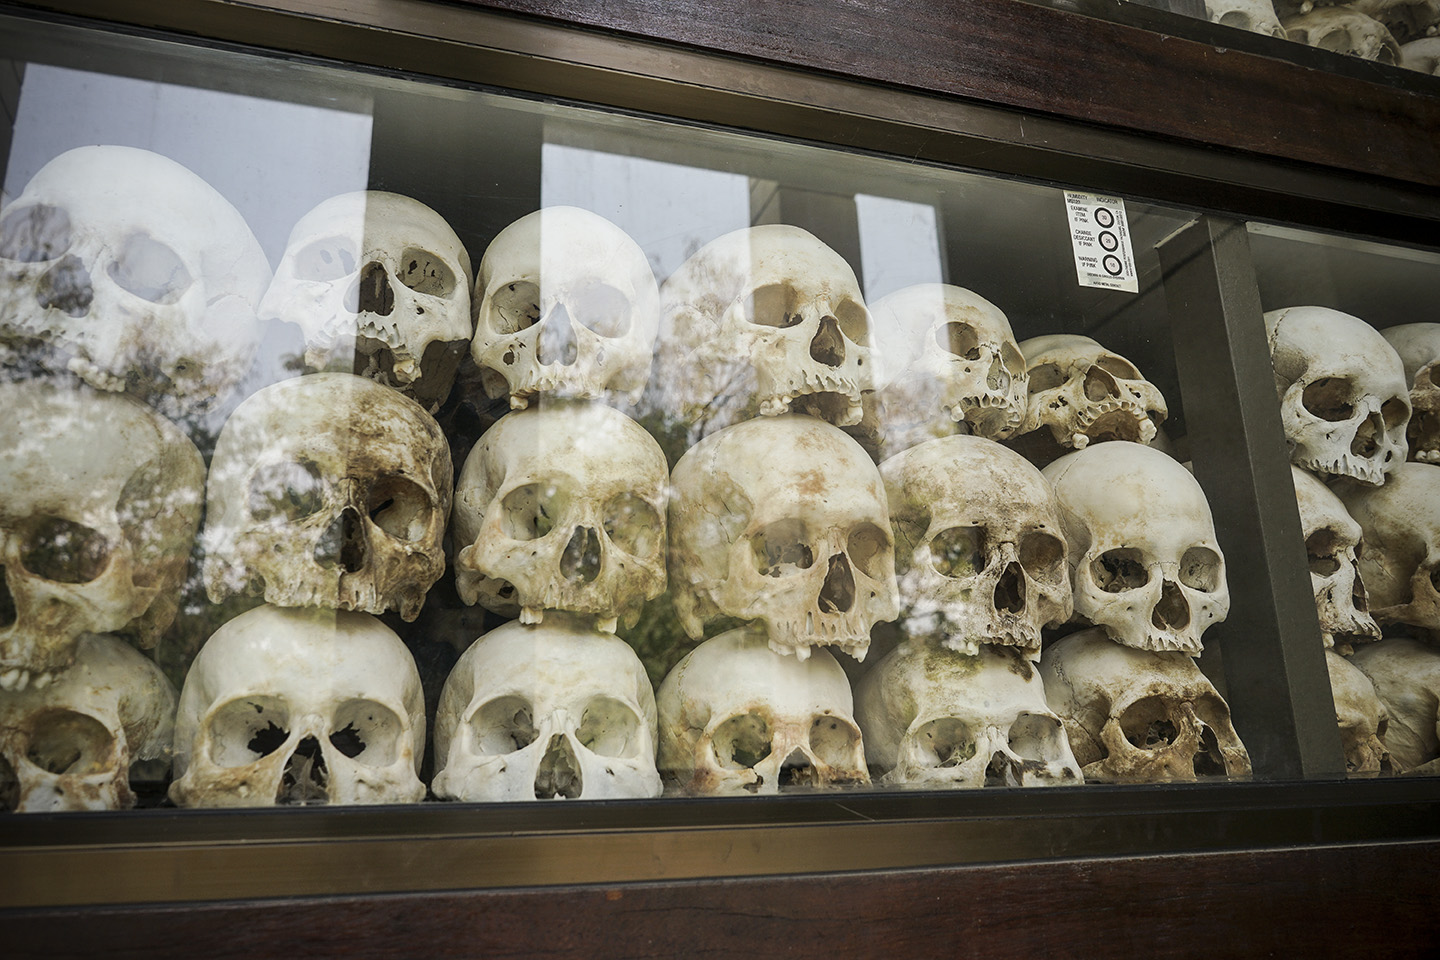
<point x="1100" y="235"/>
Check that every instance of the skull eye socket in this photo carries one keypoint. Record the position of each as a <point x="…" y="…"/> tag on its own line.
<point x="854" y="321"/>
<point x="741" y="741"/>
<point x="63" y="551"/>
<point x="34" y="233"/>
<point x="1043" y="556"/>
<point x="150" y="270"/>
<point x="783" y="547"/>
<point x="531" y="511"/>
<point x="1321" y="548"/>
<point x="610" y="728"/>
<point x="400" y="507"/>
<point x="64" y="742"/>
<point x="1047" y="376"/>
<point x="502" y="726"/>
<point x="424" y="272"/>
<point x="1116" y="571"/>
<point x="286" y="491"/>
<point x="601" y="309"/>
<point x="1146" y="724"/>
<point x="1330" y="398"/>
<point x="327" y="260"/>
<point x="958" y="552"/>
<point x="1117" y="367"/>
<point x="833" y="740"/>
<point x="367" y="732"/>
<point x="959" y="339"/>
<point x="772" y="305"/>
<point x="1394" y="412"/>
<point x="945" y="742"/>
<point x="515" y="307"/>
<point x="1200" y="569"/>
<point x="1036" y="737"/>
<point x="632" y="525"/>
<point x="243" y="731"/>
<point x="866" y="547"/>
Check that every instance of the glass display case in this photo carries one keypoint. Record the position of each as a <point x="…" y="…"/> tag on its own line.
<point x="417" y="413"/>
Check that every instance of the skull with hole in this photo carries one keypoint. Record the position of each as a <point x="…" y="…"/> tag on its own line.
<point x="379" y="285"/>
<point x="1400" y="523"/>
<point x="1085" y="394"/>
<point x="101" y="502"/>
<point x="1343" y="30"/>
<point x="772" y="320"/>
<point x="1333" y="547"/>
<point x="1137" y="716"/>
<point x="1418" y="345"/>
<point x="1344" y="401"/>
<point x="549" y="711"/>
<point x="1144" y="561"/>
<point x="934" y="717"/>
<point x="562" y="508"/>
<point x="125" y="268"/>
<point x="737" y="718"/>
<point x="1256" y="16"/>
<point x="307" y="706"/>
<point x="566" y="305"/>
<point x="328" y="490"/>
<point x="1406" y="677"/>
<point x="782" y="520"/>
<point x="980" y="547"/>
<point x="1362" y="718"/>
<point x="70" y="745"/>
<point x="960" y="345"/>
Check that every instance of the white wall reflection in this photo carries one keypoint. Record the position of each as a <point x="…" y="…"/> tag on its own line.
<point x="899" y="245"/>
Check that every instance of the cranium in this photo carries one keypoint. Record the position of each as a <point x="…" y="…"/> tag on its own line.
<point x="379" y="285"/>
<point x="1345" y="31"/>
<point x="1332" y="544"/>
<point x="70" y="745"/>
<point x="1344" y="402"/>
<point x="1407" y="20"/>
<point x="101" y="501"/>
<point x="782" y="520"/>
<point x="562" y="508"/>
<point x="1418" y="345"/>
<point x="566" y="304"/>
<point x="1139" y="715"/>
<point x="555" y="710"/>
<point x="1256" y="16"/>
<point x="1422" y="55"/>
<point x="1362" y="718"/>
<point x="1406" y="676"/>
<point x="1144" y="561"/>
<point x="125" y="268"/>
<point x="299" y="707"/>
<point x="1086" y="394"/>
<point x="1401" y="527"/>
<point x="772" y="319"/>
<point x="980" y="548"/>
<point x="934" y="717"/>
<point x="328" y="490"/>
<point x="738" y="718"/>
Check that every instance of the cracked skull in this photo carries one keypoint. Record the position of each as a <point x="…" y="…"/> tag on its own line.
<point x="1418" y="345"/>
<point x="1406" y="677"/>
<point x="300" y="707"/>
<point x="1085" y="394"/>
<point x="1144" y="561"/>
<point x="328" y="490"/>
<point x="1400" y="523"/>
<point x="101" y="501"/>
<point x="549" y="711"/>
<point x="128" y="270"/>
<point x="1136" y="716"/>
<point x="1333" y="547"/>
<point x="1344" y="400"/>
<point x="562" y="508"/>
<point x="379" y="285"/>
<point x="782" y="520"/>
<point x="737" y="718"/>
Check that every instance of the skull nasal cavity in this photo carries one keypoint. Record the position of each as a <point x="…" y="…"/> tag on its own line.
<point x="305" y="779"/>
<point x="8" y="614"/>
<point x="1010" y="591"/>
<point x="581" y="559"/>
<point x="828" y="347"/>
<point x="375" y="294"/>
<point x="559" y="773"/>
<point x="557" y="339"/>
<point x="1172" y="612"/>
<point x="837" y="595"/>
<point x="344" y="543"/>
<point x="66" y="287"/>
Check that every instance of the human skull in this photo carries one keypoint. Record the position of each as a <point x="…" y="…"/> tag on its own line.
<point x="1332" y="545"/>
<point x="1362" y="718"/>
<point x="772" y="318"/>
<point x="1144" y="561"/>
<point x="379" y="284"/>
<point x="1407" y="20"/>
<point x="562" y="508"/>
<point x="300" y="707"/>
<point x="328" y="490"/>
<point x="70" y="745"/>
<point x="125" y="268"/>
<point x="1406" y="677"/>
<point x="782" y="520"/>
<point x="549" y="711"/>
<point x="934" y="717"/>
<point x="1418" y="345"/>
<point x="1136" y="716"/>
<point x="1401" y="527"/>
<point x="963" y="344"/>
<point x="1086" y="394"/>
<point x="980" y="547"/>
<point x="566" y="304"/>
<point x="1256" y="16"/>
<point x="1422" y="55"/>
<point x="101" y="500"/>
<point x="1346" y="31"/>
<point x="737" y="718"/>
<point x="1344" y="401"/>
